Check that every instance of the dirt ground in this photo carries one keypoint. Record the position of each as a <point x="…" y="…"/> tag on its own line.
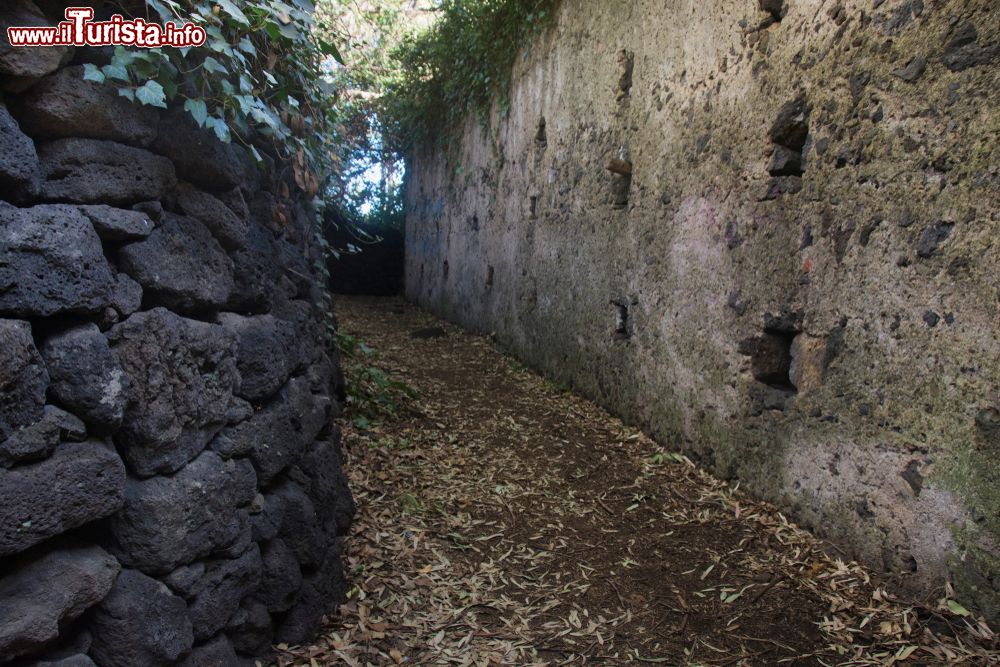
<point x="505" y="521"/>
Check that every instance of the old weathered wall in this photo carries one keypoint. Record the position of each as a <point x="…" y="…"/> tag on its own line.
<point x="171" y="488"/>
<point x="799" y="283"/>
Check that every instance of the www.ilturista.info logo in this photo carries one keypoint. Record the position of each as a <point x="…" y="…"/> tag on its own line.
<point x="79" y="29"/>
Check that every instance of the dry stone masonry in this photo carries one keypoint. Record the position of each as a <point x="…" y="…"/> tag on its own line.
<point x="171" y="490"/>
<point x="766" y="231"/>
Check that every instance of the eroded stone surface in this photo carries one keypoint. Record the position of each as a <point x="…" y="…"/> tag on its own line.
<point x="181" y="379"/>
<point x="181" y="266"/>
<point x="140" y="622"/>
<point x="85" y="376"/>
<point x="47" y="589"/>
<point x="172" y="521"/>
<point x="91" y="171"/>
<point x="65" y="105"/>
<point x="52" y="263"/>
<point x="81" y="482"/>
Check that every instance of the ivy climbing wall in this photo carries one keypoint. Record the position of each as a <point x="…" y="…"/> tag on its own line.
<point x="171" y="489"/>
<point x="766" y="232"/>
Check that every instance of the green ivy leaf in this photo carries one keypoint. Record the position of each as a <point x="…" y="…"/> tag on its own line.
<point x="213" y="65"/>
<point x="220" y="128"/>
<point x="116" y="71"/>
<point x="151" y="94"/>
<point x="92" y="73"/>
<point x="958" y="609"/>
<point x="198" y="110"/>
<point x="127" y="93"/>
<point x="329" y="49"/>
<point x="234" y="11"/>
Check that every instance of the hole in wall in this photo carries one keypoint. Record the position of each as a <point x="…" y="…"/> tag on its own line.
<point x="445" y="269"/>
<point x="623" y="323"/>
<point x="489" y="277"/>
<point x="533" y="206"/>
<point x="771" y="360"/>
<point x="541" y="137"/>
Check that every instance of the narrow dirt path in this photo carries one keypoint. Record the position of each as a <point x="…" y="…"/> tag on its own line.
<point x="504" y="521"/>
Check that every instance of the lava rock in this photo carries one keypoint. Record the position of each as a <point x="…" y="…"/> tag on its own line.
<point x="265" y="516"/>
<point x="791" y="127"/>
<point x="265" y="357"/>
<point x="785" y="162"/>
<point x="127" y="297"/>
<point x="43" y="592"/>
<point x="81" y="482"/>
<point x="117" y="224"/>
<point x="181" y="378"/>
<point x="300" y="527"/>
<point x="21" y="65"/>
<point x="38" y="441"/>
<point x="321" y="592"/>
<point x="23" y="378"/>
<point x="963" y="50"/>
<point x="85" y="376"/>
<point x="78" y="660"/>
<point x="65" y="105"/>
<point x="217" y="594"/>
<point x="771" y="359"/>
<point x="53" y="263"/>
<point x="140" y="623"/>
<point x="181" y="266"/>
<point x="19" y="171"/>
<point x="199" y="155"/>
<point x="216" y="653"/>
<point x="250" y="629"/>
<point x="257" y="269"/>
<point x="276" y="436"/>
<point x="90" y="171"/>
<point x="228" y="228"/>
<point x="322" y="476"/>
<point x="172" y="521"/>
<point x="913" y="70"/>
<point x="933" y="236"/>
<point x="281" y="578"/>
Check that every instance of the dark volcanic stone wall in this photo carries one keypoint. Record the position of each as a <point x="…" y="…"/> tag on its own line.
<point x="171" y="490"/>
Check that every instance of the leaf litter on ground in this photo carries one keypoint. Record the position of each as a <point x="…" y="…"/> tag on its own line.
<point x="505" y="521"/>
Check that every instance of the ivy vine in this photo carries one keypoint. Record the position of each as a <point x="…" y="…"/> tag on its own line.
<point x="261" y="75"/>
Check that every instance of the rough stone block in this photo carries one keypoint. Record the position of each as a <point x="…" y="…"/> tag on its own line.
<point x="140" y="622"/>
<point x="23" y="378"/>
<point x="117" y="224"/>
<point x="23" y="66"/>
<point x="199" y="155"/>
<point x="46" y="590"/>
<point x="65" y="105"/>
<point x="38" y="441"/>
<point x="81" y="482"/>
<point x="216" y="653"/>
<point x="85" y="375"/>
<point x="267" y="347"/>
<point x="276" y="436"/>
<point x="91" y="171"/>
<point x="181" y="378"/>
<point x="52" y="263"/>
<point x="19" y="171"/>
<point x="181" y="266"/>
<point x="321" y="593"/>
<point x="217" y="594"/>
<point x="171" y="521"/>
<point x="281" y="578"/>
<point x="227" y="227"/>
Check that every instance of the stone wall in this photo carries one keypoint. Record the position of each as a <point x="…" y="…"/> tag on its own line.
<point x="767" y="232"/>
<point x="171" y="490"/>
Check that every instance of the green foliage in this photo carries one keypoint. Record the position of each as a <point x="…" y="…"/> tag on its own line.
<point x="260" y="75"/>
<point x="371" y="393"/>
<point x="459" y="66"/>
